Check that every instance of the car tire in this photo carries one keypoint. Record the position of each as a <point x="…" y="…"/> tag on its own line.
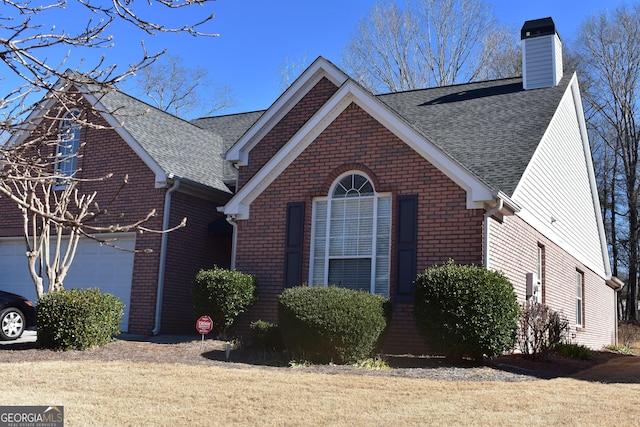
<point x="12" y="324"/>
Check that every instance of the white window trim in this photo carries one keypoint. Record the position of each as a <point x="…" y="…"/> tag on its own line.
<point x="579" y="299"/>
<point x="58" y="170"/>
<point x="373" y="256"/>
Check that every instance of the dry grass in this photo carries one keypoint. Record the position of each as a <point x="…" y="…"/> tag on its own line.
<point x="138" y="394"/>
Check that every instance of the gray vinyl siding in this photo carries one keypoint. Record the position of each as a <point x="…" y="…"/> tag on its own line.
<point x="542" y="62"/>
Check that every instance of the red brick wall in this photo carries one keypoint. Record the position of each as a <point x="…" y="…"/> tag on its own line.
<point x="105" y="152"/>
<point x="513" y="250"/>
<point x="355" y="141"/>
<point x="286" y="128"/>
<point x="190" y="249"/>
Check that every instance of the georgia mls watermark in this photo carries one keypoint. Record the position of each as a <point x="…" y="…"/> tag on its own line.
<point x="31" y="416"/>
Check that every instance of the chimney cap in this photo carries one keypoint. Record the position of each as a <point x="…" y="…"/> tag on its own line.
<point x="537" y="28"/>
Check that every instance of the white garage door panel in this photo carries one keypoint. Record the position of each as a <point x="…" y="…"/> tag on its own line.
<point x="94" y="266"/>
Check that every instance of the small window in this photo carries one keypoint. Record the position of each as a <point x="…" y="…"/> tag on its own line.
<point x="541" y="273"/>
<point x="67" y="148"/>
<point x="579" y="299"/>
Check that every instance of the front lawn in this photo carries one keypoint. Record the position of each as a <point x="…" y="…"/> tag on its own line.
<point x="115" y="393"/>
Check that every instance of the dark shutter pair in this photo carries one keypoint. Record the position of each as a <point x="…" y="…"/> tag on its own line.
<point x="406" y="245"/>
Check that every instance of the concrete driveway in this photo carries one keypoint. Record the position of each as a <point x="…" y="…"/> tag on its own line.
<point x="624" y="369"/>
<point x="27" y="336"/>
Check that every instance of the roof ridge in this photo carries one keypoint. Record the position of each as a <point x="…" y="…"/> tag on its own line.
<point x="229" y="115"/>
<point x="505" y="79"/>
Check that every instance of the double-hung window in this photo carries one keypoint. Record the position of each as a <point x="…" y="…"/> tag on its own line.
<point x="67" y="148"/>
<point x="579" y="299"/>
<point x="351" y="236"/>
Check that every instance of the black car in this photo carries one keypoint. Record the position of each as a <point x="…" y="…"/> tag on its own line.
<point x="16" y="314"/>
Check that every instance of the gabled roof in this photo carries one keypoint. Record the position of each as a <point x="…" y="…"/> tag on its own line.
<point x="171" y="146"/>
<point x="492" y="127"/>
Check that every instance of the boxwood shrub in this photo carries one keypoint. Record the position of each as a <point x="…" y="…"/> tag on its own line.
<point x="223" y="295"/>
<point x="331" y="324"/>
<point x="77" y="319"/>
<point x="466" y="310"/>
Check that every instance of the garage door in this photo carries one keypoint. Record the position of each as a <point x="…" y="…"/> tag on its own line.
<point x="94" y="265"/>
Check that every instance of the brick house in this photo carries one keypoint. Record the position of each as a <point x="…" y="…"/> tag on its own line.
<point x="174" y="167"/>
<point x="336" y="185"/>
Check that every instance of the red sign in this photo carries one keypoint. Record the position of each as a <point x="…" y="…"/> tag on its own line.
<point x="204" y="325"/>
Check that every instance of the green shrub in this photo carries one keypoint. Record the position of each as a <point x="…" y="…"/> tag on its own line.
<point x="331" y="324"/>
<point x="266" y="336"/>
<point x="77" y="319"/>
<point x="574" y="351"/>
<point x="223" y="295"/>
<point x="466" y="311"/>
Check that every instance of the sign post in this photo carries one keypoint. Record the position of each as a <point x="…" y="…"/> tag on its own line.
<point x="204" y="325"/>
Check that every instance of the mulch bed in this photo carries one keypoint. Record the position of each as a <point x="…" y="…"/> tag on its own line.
<point x="192" y="351"/>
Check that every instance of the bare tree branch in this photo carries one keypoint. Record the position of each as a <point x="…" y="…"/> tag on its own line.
<point x="429" y="43"/>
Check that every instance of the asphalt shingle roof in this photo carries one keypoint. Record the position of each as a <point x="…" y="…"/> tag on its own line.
<point x="177" y="146"/>
<point x="492" y="128"/>
<point x="230" y="128"/>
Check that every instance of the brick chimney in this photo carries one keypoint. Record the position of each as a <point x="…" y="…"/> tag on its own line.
<point x="541" y="54"/>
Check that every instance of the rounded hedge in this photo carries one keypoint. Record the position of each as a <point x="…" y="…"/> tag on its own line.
<point x="77" y="319"/>
<point x="331" y="324"/>
<point x="223" y="295"/>
<point x="466" y="310"/>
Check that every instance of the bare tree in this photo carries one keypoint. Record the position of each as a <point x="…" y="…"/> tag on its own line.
<point x="501" y="54"/>
<point x="429" y="43"/>
<point x="37" y="137"/>
<point x="35" y="176"/>
<point x="609" y="49"/>
<point x="290" y="70"/>
<point x="33" y="50"/>
<point x="180" y="90"/>
<point x="383" y="54"/>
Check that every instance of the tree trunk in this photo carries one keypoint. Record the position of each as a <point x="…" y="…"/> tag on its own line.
<point x="632" y="295"/>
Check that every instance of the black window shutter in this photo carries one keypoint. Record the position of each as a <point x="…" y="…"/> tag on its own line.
<point x="406" y="245"/>
<point x="293" y="245"/>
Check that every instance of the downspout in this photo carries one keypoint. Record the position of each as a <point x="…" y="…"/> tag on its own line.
<point x="163" y="252"/>
<point x="617" y="286"/>
<point x="234" y="239"/>
<point x="487" y="218"/>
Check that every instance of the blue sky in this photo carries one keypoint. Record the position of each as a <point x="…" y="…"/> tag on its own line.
<point x="256" y="37"/>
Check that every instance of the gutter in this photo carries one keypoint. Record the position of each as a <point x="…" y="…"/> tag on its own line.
<point x="617" y="286"/>
<point x="163" y="251"/>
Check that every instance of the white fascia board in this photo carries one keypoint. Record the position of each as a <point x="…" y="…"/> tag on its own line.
<point x="577" y="101"/>
<point x="160" y="174"/>
<point x="478" y="193"/>
<point x="320" y="68"/>
<point x="36" y="116"/>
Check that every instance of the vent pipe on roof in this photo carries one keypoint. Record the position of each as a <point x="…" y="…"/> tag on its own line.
<point x="541" y="54"/>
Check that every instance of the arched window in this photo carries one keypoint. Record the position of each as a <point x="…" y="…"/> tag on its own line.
<point x="351" y="236"/>
<point x="68" y="145"/>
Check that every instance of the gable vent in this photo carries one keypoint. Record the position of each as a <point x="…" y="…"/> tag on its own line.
<point x="541" y="54"/>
